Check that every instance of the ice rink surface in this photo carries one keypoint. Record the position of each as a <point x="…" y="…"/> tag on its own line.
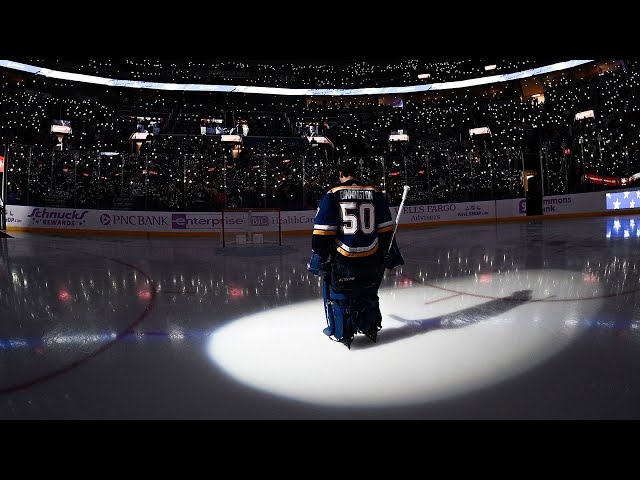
<point x="537" y="319"/>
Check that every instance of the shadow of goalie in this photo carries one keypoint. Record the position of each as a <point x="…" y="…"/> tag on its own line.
<point x="458" y="319"/>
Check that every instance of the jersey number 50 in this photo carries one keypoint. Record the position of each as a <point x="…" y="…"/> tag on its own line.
<point x="363" y="220"/>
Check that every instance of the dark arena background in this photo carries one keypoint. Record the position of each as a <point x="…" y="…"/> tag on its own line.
<point x="156" y="226"/>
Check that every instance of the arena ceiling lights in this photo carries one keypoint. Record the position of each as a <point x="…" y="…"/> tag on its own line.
<point x="198" y="87"/>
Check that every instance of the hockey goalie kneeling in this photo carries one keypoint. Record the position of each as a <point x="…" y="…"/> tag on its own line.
<point x="351" y="230"/>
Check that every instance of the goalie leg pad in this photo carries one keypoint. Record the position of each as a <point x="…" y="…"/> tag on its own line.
<point x="368" y="318"/>
<point x="352" y="312"/>
<point x="328" y="308"/>
<point x="340" y="318"/>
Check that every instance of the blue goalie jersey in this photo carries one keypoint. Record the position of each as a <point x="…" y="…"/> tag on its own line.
<point x="353" y="219"/>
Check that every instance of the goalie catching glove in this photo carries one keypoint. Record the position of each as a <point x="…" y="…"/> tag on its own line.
<point x="317" y="265"/>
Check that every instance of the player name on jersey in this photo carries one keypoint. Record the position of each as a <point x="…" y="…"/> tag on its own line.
<point x="349" y="194"/>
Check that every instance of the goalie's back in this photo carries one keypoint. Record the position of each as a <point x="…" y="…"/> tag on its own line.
<point x="353" y="216"/>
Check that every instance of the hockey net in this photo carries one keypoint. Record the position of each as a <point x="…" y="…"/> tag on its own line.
<point x="251" y="226"/>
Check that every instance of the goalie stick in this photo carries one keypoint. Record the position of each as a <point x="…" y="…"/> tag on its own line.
<point x="404" y="197"/>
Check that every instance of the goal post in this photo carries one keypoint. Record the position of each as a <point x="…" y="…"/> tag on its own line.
<point x="251" y="226"/>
